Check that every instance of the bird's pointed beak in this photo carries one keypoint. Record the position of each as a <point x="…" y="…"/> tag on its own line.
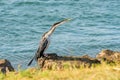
<point x="68" y="19"/>
<point x="61" y="22"/>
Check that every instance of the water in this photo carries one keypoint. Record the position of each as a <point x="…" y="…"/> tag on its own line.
<point x="95" y="25"/>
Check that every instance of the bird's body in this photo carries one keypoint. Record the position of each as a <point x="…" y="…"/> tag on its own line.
<point x="44" y="43"/>
<point x="43" y="47"/>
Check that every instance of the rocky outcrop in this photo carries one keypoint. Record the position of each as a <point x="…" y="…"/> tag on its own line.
<point x="5" y="66"/>
<point x="59" y="62"/>
<point x="109" y="55"/>
<point x="53" y="61"/>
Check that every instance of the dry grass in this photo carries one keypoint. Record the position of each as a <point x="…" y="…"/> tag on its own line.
<point x="96" y="72"/>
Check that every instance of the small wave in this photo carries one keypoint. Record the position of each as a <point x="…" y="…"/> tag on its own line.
<point x="27" y="3"/>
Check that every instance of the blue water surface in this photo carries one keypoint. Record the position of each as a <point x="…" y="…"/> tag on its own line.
<point x="95" y="25"/>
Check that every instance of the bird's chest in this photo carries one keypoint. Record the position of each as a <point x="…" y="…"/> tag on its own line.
<point x="48" y="39"/>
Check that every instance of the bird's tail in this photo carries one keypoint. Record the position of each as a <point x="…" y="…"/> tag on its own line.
<point x="31" y="61"/>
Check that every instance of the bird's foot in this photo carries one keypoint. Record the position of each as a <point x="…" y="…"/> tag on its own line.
<point x="46" y="55"/>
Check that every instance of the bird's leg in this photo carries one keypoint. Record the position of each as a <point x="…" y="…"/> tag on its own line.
<point x="45" y="55"/>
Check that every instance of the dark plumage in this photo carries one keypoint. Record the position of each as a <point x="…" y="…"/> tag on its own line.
<point x="44" y="43"/>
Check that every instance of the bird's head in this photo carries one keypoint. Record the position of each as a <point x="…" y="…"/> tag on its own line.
<point x="61" y="22"/>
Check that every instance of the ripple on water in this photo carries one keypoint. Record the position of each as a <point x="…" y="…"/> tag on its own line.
<point x="94" y="26"/>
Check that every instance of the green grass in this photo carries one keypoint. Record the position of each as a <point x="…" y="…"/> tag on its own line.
<point x="96" y="72"/>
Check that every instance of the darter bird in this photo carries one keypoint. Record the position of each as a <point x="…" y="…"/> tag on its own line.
<point x="44" y="43"/>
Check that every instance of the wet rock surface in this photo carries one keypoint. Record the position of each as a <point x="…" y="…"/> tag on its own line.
<point x="5" y="66"/>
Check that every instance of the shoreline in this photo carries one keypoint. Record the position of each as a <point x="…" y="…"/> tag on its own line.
<point x="106" y="65"/>
<point x="53" y="59"/>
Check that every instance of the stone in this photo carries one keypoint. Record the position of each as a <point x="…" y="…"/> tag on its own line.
<point x="109" y="55"/>
<point x="5" y="66"/>
<point x="58" y="62"/>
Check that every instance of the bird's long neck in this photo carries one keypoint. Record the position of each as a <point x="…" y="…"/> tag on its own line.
<point x="51" y="31"/>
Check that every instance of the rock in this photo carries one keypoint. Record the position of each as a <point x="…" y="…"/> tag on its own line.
<point x="5" y="66"/>
<point x="58" y="62"/>
<point x="109" y="55"/>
